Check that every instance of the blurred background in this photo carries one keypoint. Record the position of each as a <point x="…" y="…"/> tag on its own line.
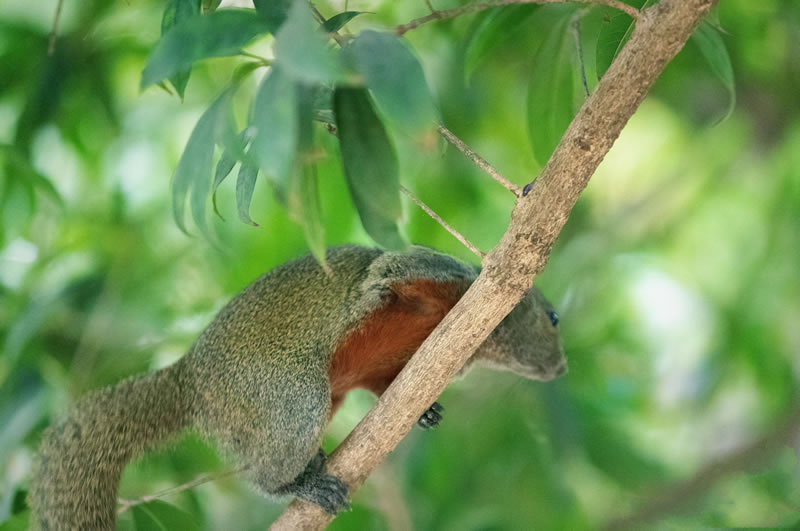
<point x="676" y="277"/>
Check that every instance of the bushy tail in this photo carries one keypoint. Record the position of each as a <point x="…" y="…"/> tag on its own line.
<point x="80" y="462"/>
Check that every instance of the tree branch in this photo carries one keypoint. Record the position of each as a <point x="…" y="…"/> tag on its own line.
<point x="661" y="31"/>
<point x="482" y="6"/>
<point x="478" y="160"/>
<point x="677" y="495"/>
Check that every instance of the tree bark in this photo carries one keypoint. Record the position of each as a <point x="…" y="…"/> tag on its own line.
<point x="508" y="271"/>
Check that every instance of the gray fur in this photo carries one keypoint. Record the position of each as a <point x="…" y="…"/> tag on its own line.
<point x="256" y="381"/>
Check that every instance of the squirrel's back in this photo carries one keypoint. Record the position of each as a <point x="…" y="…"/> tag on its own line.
<point x="277" y="310"/>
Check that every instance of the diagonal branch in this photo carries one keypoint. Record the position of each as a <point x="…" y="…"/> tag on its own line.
<point x="438" y="219"/>
<point x="661" y="31"/>
<point x="482" y="6"/>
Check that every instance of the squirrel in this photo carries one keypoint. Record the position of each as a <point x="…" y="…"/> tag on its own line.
<point x="266" y="376"/>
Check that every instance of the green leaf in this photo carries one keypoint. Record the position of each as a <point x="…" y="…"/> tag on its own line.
<point x="210" y="5"/>
<point x="228" y="137"/>
<point x="175" y="12"/>
<point x="304" y="201"/>
<point x="193" y="175"/>
<point x="224" y="167"/>
<point x="302" y="51"/>
<point x="396" y="79"/>
<point x="614" y="33"/>
<point x="554" y="89"/>
<point x="230" y="156"/>
<point x="322" y="101"/>
<point x="245" y="183"/>
<point x="233" y="153"/>
<point x="367" y="151"/>
<point x="370" y="165"/>
<point x="325" y="116"/>
<point x="244" y="70"/>
<point x="337" y="22"/>
<point x="18" y="522"/>
<point x="382" y="229"/>
<point x="217" y="34"/>
<point x="708" y="39"/>
<point x="498" y="26"/>
<point x="305" y="208"/>
<point x="274" y="12"/>
<point x="275" y="121"/>
<point x="160" y="516"/>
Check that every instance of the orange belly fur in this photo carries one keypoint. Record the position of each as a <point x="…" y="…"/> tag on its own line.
<point x="372" y="355"/>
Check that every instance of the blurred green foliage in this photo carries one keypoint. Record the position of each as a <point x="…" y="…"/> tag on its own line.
<point x="676" y="276"/>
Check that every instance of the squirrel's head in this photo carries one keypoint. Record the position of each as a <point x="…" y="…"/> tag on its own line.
<point x="526" y="342"/>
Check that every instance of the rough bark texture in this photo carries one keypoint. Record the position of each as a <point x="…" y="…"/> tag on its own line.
<point x="508" y="271"/>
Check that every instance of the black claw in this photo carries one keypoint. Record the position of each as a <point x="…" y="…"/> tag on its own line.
<point x="432" y="417"/>
<point x="315" y="486"/>
<point x="317" y="463"/>
<point x="330" y="493"/>
<point x="527" y="189"/>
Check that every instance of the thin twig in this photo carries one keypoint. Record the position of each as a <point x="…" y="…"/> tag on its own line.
<point x="478" y="7"/>
<point x="457" y="235"/>
<point x="51" y="46"/>
<point x="478" y="160"/>
<point x="576" y="33"/>
<point x="321" y="19"/>
<point x="674" y="496"/>
<point x="317" y="15"/>
<point x="199" y="480"/>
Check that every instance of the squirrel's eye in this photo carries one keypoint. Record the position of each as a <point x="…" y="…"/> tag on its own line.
<point x="553" y="318"/>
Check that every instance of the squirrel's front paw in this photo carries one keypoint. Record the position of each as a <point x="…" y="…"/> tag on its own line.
<point x="327" y="491"/>
<point x="432" y="417"/>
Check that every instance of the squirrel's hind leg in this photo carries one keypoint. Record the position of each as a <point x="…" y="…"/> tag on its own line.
<point x="316" y="486"/>
<point x="287" y="459"/>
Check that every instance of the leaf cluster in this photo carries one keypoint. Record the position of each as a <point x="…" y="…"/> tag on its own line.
<point x="359" y="88"/>
<point x="309" y="80"/>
